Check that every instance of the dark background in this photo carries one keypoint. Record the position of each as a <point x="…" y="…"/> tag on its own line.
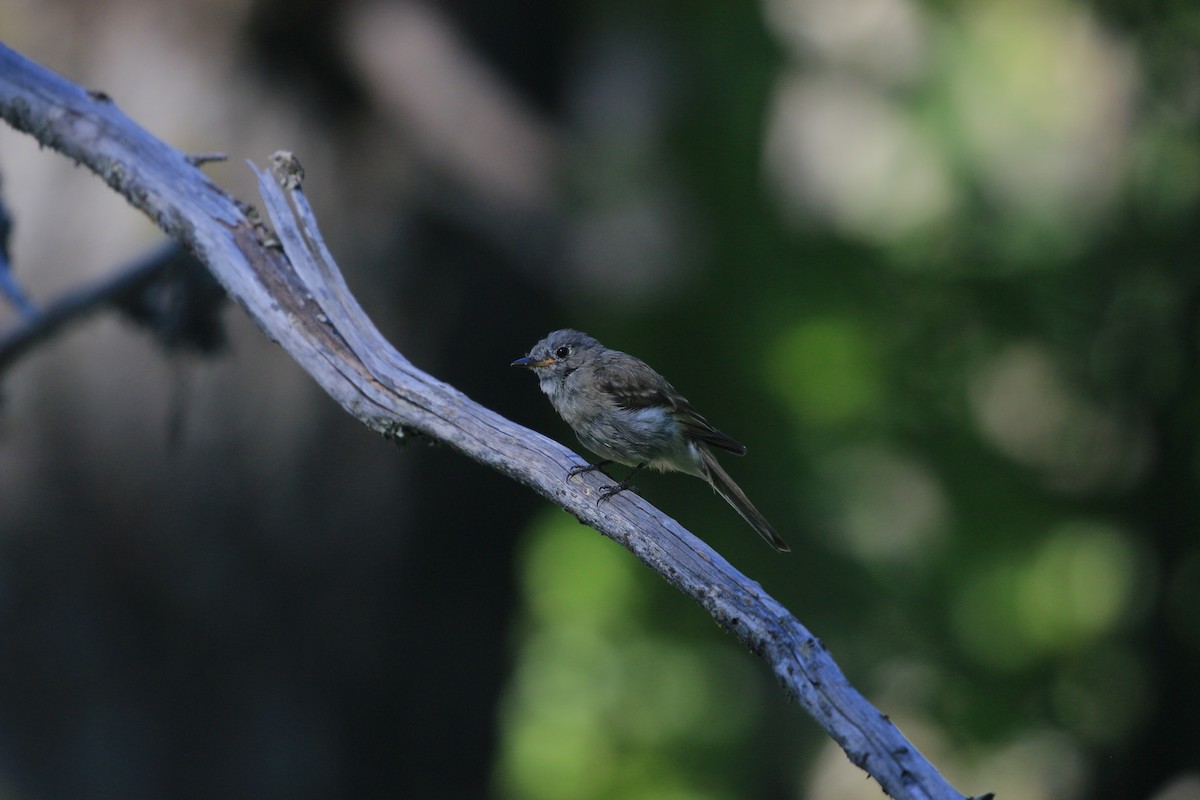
<point x="935" y="263"/>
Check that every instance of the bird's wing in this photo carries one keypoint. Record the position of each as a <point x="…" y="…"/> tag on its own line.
<point x="631" y="384"/>
<point x="635" y="385"/>
<point x="699" y="428"/>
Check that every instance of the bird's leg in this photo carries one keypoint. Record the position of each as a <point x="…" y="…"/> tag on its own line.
<point x="613" y="491"/>
<point x="597" y="467"/>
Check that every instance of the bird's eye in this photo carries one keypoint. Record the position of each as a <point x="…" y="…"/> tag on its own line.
<point x="562" y="352"/>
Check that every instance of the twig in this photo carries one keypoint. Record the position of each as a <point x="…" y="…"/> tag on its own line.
<point x="72" y="307"/>
<point x="301" y="301"/>
<point x="125" y="290"/>
<point x="12" y="290"/>
<point x="8" y="284"/>
<point x="197" y="159"/>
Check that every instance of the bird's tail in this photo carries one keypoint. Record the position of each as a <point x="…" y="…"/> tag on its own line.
<point x="724" y="486"/>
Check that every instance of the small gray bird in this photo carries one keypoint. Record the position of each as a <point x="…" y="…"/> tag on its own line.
<point x="624" y="411"/>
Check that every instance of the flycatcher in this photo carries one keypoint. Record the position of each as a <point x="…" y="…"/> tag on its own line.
<point x="624" y="411"/>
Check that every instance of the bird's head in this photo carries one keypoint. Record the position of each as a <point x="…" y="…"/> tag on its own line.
<point x="560" y="353"/>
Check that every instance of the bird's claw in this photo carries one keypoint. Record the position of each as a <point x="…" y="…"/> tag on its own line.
<point x="586" y="468"/>
<point x="610" y="492"/>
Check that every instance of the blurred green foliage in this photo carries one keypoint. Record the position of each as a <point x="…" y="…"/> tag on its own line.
<point x="939" y="274"/>
<point x="603" y="704"/>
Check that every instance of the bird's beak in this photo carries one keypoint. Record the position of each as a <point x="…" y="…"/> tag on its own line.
<point x="527" y="361"/>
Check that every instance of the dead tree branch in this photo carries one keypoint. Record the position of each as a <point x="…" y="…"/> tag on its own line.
<point x="299" y="299"/>
<point x="188" y="316"/>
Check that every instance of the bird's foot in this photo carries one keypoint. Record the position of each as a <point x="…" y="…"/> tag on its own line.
<point x="586" y="468"/>
<point x="614" y="490"/>
<point x="610" y="492"/>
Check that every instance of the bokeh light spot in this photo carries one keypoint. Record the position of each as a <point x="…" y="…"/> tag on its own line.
<point x="1062" y="597"/>
<point x="886" y="506"/>
<point x="577" y="579"/>
<point x="826" y="370"/>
